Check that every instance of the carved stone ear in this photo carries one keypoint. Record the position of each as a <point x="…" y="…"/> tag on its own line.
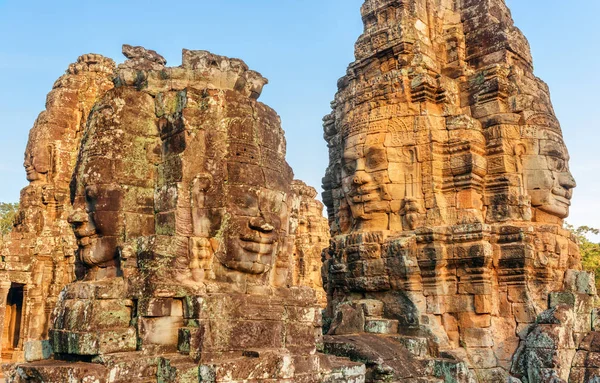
<point x="52" y="159"/>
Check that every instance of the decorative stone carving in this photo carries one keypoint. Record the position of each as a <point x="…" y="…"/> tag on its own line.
<point x="311" y="238"/>
<point x="446" y="189"/>
<point x="198" y="255"/>
<point x="37" y="256"/>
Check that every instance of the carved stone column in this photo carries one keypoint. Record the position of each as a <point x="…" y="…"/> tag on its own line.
<point x="25" y="317"/>
<point x="4" y="288"/>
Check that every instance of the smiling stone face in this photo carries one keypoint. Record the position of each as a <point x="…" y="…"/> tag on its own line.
<point x="365" y="181"/>
<point x="548" y="179"/>
<point x="379" y="173"/>
<point x="114" y="180"/>
<point x="250" y="223"/>
<point x="37" y="162"/>
<point x="254" y="230"/>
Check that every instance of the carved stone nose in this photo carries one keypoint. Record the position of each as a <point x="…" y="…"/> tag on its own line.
<point x="359" y="180"/>
<point x="567" y="181"/>
<point x="77" y="216"/>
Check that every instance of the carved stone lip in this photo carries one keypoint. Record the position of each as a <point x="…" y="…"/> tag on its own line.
<point x="562" y="196"/>
<point x="367" y="189"/>
<point x="366" y="198"/>
<point x="249" y="266"/>
<point x="258" y="238"/>
<point x="257" y="248"/>
<point x="84" y="234"/>
<point x="86" y="241"/>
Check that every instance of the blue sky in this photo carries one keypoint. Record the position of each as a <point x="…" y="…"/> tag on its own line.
<point x="302" y="46"/>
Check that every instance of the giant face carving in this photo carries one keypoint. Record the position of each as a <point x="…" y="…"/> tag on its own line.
<point x="254" y="232"/>
<point x="365" y="177"/>
<point x="98" y="224"/>
<point x="547" y="177"/>
<point x="38" y="157"/>
<point x="114" y="180"/>
<point x="380" y="176"/>
<point x="245" y="209"/>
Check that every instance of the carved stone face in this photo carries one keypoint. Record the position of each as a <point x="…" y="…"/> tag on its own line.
<point x="37" y="159"/>
<point x="364" y="181"/>
<point x="245" y="207"/>
<point x="98" y="224"/>
<point x="378" y="175"/>
<point x="363" y="167"/>
<point x="548" y="180"/>
<point x="254" y="229"/>
<point x="114" y="179"/>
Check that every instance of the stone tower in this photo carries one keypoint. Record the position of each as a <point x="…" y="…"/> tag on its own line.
<point x="196" y="252"/>
<point x="447" y="187"/>
<point x="38" y="255"/>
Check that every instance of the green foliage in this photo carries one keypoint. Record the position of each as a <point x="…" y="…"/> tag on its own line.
<point x="590" y="251"/>
<point x="8" y="212"/>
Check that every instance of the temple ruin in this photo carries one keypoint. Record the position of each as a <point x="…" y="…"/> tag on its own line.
<point x="446" y="190"/>
<point x="194" y="254"/>
<point x="38" y="256"/>
<point x="163" y="238"/>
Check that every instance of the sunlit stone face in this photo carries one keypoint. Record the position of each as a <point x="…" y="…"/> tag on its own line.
<point x="38" y="159"/>
<point x="255" y="228"/>
<point x="365" y="181"/>
<point x="548" y="179"/>
<point x="380" y="179"/>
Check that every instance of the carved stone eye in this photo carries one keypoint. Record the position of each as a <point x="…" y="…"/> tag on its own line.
<point x="557" y="164"/>
<point x="375" y="158"/>
<point x="91" y="193"/>
<point x="349" y="166"/>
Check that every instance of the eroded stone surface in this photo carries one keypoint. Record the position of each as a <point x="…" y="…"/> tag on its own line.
<point x="312" y="238"/>
<point x="198" y="255"/>
<point x="38" y="255"/>
<point x="446" y="190"/>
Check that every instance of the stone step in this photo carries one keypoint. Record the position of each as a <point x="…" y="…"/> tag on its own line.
<point x="341" y="370"/>
<point x="417" y="346"/>
<point x="384" y="357"/>
<point x="130" y="365"/>
<point x="390" y="358"/>
<point x="449" y="370"/>
<point x="381" y="326"/>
